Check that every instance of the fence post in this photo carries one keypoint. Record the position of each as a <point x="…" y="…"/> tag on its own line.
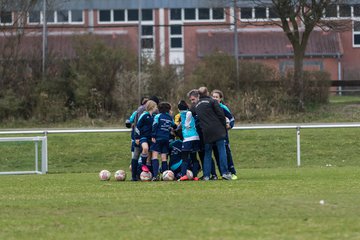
<point x="44" y="156"/>
<point x="298" y="145"/>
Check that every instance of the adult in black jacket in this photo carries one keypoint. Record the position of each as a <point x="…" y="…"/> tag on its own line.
<point x="213" y="125"/>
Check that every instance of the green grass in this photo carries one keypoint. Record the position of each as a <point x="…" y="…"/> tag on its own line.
<point x="344" y="99"/>
<point x="91" y="152"/>
<point x="273" y="199"/>
<point x="279" y="203"/>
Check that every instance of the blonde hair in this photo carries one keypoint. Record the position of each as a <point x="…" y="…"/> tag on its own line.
<point x="150" y="105"/>
<point x="203" y="91"/>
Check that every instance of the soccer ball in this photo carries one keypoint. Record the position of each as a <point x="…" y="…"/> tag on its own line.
<point x="189" y="174"/>
<point x="120" y="175"/>
<point x="168" y="175"/>
<point x="145" y="176"/>
<point x="104" y="175"/>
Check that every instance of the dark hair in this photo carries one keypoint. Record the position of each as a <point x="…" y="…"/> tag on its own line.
<point x="164" y="107"/>
<point x="182" y="105"/>
<point x="143" y="100"/>
<point x="155" y="99"/>
<point x="221" y="95"/>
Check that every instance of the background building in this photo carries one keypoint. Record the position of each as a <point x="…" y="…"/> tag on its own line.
<point x="180" y="32"/>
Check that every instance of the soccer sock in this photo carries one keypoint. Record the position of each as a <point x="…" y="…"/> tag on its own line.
<point x="164" y="166"/>
<point x="143" y="159"/>
<point x="185" y="163"/>
<point x="195" y="164"/>
<point x="155" y="165"/>
<point x="230" y="161"/>
<point x="134" y="168"/>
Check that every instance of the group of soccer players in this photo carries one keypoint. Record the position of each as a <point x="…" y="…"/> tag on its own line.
<point x="178" y="140"/>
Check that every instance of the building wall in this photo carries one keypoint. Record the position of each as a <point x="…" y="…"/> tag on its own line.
<point x="188" y="56"/>
<point x="351" y="58"/>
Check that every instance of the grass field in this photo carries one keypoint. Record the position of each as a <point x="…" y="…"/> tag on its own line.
<point x="279" y="203"/>
<point x="272" y="199"/>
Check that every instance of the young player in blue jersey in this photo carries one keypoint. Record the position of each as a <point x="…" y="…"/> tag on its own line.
<point x="135" y="149"/>
<point x="143" y="132"/>
<point x="175" y="157"/>
<point x="218" y="96"/>
<point x="191" y="141"/>
<point x="161" y="130"/>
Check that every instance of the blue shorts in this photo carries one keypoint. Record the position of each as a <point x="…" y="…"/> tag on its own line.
<point x="191" y="146"/>
<point x="160" y="146"/>
<point x="145" y="140"/>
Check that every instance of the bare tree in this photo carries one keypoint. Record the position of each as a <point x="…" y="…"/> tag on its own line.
<point x="297" y="18"/>
<point x="13" y="16"/>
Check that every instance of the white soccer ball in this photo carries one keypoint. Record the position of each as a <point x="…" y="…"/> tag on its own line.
<point x="120" y="175"/>
<point x="104" y="175"/>
<point x="145" y="176"/>
<point x="189" y="174"/>
<point x="168" y="175"/>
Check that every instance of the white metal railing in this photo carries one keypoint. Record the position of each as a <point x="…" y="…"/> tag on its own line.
<point x="296" y="127"/>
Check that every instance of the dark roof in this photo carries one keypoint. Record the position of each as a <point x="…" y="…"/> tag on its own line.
<point x="270" y="44"/>
<point x="131" y="4"/>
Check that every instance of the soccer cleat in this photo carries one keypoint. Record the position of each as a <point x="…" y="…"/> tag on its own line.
<point x="214" y="177"/>
<point x="196" y="179"/>
<point x="234" y="177"/>
<point x="155" y="179"/>
<point x="144" y="168"/>
<point x="226" y="176"/>
<point x="184" y="178"/>
<point x="206" y="179"/>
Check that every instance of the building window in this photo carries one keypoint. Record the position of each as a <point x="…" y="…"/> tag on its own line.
<point x="331" y="11"/>
<point x="147" y="15"/>
<point x="62" y="16"/>
<point x="260" y="12"/>
<point x="190" y="14"/>
<point x="119" y="15"/>
<point x="50" y="16"/>
<point x="175" y="14"/>
<point x="133" y="15"/>
<point x="147" y="43"/>
<point x="273" y="13"/>
<point x="34" y="17"/>
<point x="176" y="37"/>
<point x="344" y="11"/>
<point x="204" y="13"/>
<point x="147" y="30"/>
<point x="147" y="37"/>
<point x="76" y="16"/>
<point x="196" y="14"/>
<point x="218" y="13"/>
<point x="356" y="33"/>
<point x="104" y="15"/>
<point x="6" y="17"/>
<point x="356" y="10"/>
<point x="246" y="13"/>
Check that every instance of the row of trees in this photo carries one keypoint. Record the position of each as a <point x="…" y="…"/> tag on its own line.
<point x="102" y="82"/>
